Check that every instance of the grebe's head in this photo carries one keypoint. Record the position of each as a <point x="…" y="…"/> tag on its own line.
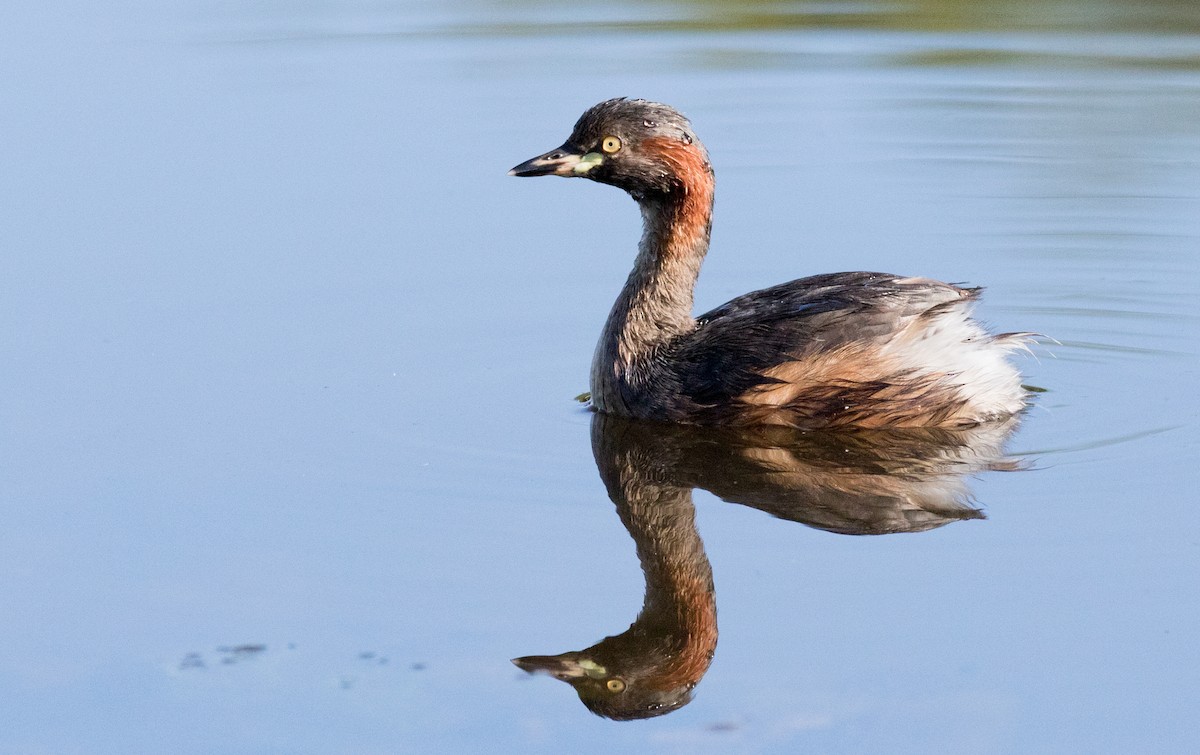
<point x="632" y="675"/>
<point x="645" y="148"/>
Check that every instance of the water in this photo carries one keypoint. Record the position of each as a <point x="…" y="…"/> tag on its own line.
<point x="291" y="458"/>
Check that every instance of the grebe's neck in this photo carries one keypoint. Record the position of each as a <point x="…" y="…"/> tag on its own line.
<point x="656" y="303"/>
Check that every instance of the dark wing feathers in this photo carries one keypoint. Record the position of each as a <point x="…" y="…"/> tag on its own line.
<point x="735" y="343"/>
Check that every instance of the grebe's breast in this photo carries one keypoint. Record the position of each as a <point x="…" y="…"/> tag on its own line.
<point x="863" y="349"/>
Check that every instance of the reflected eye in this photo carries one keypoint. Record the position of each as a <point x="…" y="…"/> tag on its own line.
<point x="615" y="685"/>
<point x="611" y="144"/>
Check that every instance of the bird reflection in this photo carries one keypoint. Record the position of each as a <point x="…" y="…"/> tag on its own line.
<point x="859" y="482"/>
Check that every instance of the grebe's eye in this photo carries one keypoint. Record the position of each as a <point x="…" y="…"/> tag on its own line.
<point x="611" y="145"/>
<point x="615" y="685"/>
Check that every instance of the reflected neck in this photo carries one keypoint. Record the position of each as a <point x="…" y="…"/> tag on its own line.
<point x="679" y="613"/>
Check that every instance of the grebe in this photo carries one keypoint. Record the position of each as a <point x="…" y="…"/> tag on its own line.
<point x="842" y="349"/>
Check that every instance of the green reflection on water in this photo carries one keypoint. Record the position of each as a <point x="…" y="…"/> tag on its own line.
<point x="1158" y="16"/>
<point x="1164" y="34"/>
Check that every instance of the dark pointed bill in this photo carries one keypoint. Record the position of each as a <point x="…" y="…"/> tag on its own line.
<point x="563" y="161"/>
<point x="565" y="667"/>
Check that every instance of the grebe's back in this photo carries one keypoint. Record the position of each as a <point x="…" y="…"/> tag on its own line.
<point x="863" y="349"/>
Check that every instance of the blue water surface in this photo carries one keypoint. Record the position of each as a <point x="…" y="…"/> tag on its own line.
<point x="291" y="460"/>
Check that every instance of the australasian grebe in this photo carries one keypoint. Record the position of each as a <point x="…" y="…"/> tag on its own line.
<point x="841" y="349"/>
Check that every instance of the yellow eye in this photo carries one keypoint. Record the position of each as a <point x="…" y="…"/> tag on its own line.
<point x="615" y="685"/>
<point x="611" y="145"/>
